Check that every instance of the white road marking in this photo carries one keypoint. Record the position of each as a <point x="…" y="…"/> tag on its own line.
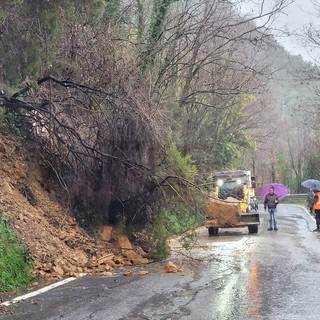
<point x="42" y="290"/>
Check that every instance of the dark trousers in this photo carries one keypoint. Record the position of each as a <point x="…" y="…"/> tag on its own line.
<point x="317" y="213"/>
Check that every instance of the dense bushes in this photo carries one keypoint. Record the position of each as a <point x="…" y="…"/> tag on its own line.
<point x="174" y="219"/>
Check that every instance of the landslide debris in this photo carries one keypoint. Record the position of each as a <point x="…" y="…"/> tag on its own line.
<point x="57" y="245"/>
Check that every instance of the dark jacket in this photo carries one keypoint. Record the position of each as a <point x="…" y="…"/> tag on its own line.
<point x="311" y="199"/>
<point x="271" y="201"/>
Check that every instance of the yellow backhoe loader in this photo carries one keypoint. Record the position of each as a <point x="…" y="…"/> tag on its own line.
<point x="232" y="203"/>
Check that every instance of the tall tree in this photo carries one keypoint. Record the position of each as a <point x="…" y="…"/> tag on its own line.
<point x="109" y="84"/>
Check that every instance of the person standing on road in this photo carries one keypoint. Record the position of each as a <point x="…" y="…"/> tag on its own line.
<point x="310" y="200"/>
<point x="270" y="201"/>
<point x="316" y="208"/>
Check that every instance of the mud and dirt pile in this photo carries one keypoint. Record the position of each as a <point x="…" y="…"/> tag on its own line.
<point x="57" y="246"/>
<point x="223" y="212"/>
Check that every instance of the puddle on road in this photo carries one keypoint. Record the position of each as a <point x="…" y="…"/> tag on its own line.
<point x="186" y="293"/>
<point x="207" y="250"/>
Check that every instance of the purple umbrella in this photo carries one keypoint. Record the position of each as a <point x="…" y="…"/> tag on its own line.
<point x="279" y="189"/>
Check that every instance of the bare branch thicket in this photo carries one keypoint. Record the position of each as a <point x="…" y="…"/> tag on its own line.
<point x="210" y="48"/>
<point x="308" y="109"/>
<point x="109" y="142"/>
<point x="108" y="130"/>
<point x="214" y="23"/>
<point x="96" y="128"/>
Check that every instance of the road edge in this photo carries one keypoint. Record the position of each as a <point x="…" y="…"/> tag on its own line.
<point x="41" y="290"/>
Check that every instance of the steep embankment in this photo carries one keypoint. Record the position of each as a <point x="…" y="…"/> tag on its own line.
<point x="58" y="246"/>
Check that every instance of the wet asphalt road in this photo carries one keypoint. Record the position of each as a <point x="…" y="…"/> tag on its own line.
<point x="271" y="275"/>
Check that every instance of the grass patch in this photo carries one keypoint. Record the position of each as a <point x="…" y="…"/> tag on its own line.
<point x="15" y="267"/>
<point x="300" y="202"/>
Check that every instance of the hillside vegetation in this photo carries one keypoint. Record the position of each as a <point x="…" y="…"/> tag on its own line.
<point x="115" y="114"/>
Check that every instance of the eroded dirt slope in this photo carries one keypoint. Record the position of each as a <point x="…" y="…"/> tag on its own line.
<point x="58" y="246"/>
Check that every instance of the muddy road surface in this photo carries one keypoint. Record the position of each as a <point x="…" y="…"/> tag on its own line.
<point x="270" y="275"/>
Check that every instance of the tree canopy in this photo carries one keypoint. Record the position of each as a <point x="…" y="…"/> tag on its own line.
<point x="129" y="102"/>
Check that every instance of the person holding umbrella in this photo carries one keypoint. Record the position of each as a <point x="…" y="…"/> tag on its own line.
<point x="270" y="201"/>
<point x="316" y="208"/>
<point x="310" y="200"/>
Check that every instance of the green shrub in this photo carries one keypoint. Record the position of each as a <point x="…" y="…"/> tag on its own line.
<point x="183" y="165"/>
<point x="179" y="218"/>
<point x="15" y="268"/>
<point x="159" y="247"/>
<point x="173" y="219"/>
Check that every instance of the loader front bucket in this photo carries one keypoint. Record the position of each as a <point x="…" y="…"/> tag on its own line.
<point x="250" y="218"/>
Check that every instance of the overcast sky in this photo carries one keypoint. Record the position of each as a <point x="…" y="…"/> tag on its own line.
<point x="297" y="15"/>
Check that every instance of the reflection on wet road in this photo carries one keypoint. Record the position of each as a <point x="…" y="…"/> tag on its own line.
<point x="253" y="295"/>
<point x="269" y="275"/>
